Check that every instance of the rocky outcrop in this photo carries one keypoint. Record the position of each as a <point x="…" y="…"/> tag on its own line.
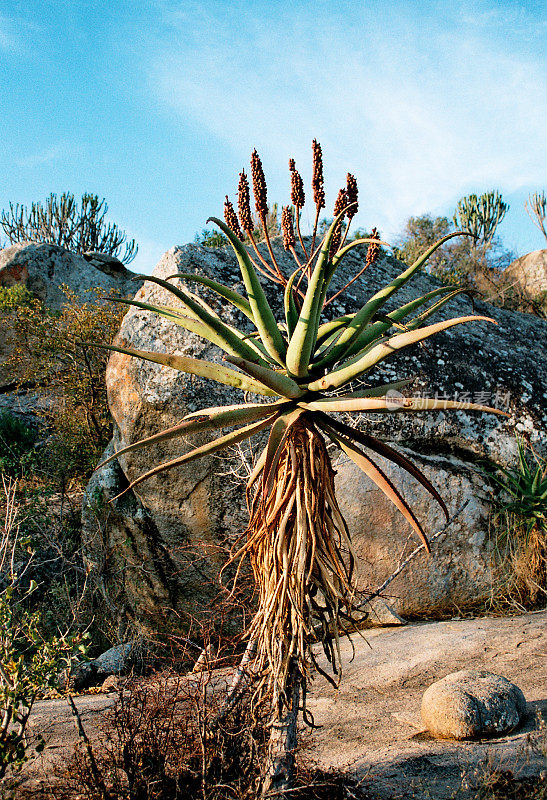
<point x="529" y="272"/>
<point x="44" y="268"/>
<point x="167" y="539"/>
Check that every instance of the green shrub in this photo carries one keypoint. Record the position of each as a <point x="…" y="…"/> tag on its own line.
<point x="460" y="261"/>
<point x="54" y="351"/>
<point x="17" y="445"/>
<point x="30" y="662"/>
<point x="208" y="238"/>
<point x="520" y="527"/>
<point x="14" y="297"/>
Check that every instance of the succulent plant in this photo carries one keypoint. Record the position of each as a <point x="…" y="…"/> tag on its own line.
<point x="526" y="487"/>
<point x="520" y="526"/>
<point x="297" y="540"/>
<point x="480" y="216"/>
<point x="536" y="208"/>
<point x="60" y="221"/>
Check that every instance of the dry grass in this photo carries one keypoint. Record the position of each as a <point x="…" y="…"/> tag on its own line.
<point x="300" y="552"/>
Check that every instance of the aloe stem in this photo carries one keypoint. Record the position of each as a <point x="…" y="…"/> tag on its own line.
<point x="269" y="273"/>
<point x="297" y="215"/>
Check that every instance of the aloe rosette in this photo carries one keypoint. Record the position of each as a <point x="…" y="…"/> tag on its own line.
<point x="303" y="368"/>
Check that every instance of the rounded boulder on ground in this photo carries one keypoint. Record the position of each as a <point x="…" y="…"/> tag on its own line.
<point x="472" y="704"/>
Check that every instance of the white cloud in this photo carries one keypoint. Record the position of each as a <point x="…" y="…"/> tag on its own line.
<point x="422" y="110"/>
<point x="48" y="155"/>
<point x="9" y="39"/>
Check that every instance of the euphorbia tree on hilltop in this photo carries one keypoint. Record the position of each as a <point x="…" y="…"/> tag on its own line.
<point x="297" y="541"/>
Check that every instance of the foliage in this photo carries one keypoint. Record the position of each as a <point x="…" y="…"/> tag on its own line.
<point x="536" y="208"/>
<point x="419" y="234"/>
<point x="480" y="216"/>
<point x="29" y="662"/>
<point x="53" y="351"/>
<point x="17" y="445"/>
<point x="52" y="356"/>
<point x="297" y="541"/>
<point x="60" y="221"/>
<point x="209" y="238"/>
<point x="14" y="297"/>
<point x="520" y="523"/>
<point x="456" y="262"/>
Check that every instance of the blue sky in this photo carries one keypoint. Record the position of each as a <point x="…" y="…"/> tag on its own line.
<point x="157" y="105"/>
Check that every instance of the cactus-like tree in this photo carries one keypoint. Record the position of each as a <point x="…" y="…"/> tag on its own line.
<point x="536" y="208"/>
<point x="60" y="221"/>
<point x="480" y="216"/>
<point x="297" y="541"/>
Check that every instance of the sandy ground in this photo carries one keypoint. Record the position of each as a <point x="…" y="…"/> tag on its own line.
<point x="371" y="725"/>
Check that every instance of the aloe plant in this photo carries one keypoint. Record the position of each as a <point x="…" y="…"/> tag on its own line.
<point x="297" y="541"/>
<point x="520" y="524"/>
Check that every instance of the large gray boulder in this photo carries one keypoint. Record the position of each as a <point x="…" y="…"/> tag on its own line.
<point x="165" y="542"/>
<point x="529" y="273"/>
<point x="44" y="268"/>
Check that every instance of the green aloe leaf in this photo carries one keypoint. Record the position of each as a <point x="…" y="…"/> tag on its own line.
<point x="233" y="345"/>
<point x="365" y="314"/>
<point x="262" y="313"/>
<point x="278" y="435"/>
<point x="435" y="307"/>
<point x="302" y="342"/>
<point x="201" y="421"/>
<point x="291" y="312"/>
<point x="380" y="391"/>
<point x="200" y="367"/>
<point x="222" y="442"/>
<point x="381" y="480"/>
<point x="281" y="384"/>
<point x="327" y="329"/>
<point x="374" y="331"/>
<point x="193" y="304"/>
<point x="394" y="405"/>
<point x="384" y="450"/>
<point x="362" y="363"/>
<point x="237" y="300"/>
<point x="199" y="308"/>
<point x="371" y="332"/>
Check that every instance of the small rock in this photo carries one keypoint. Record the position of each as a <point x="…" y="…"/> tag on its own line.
<point x="113" y="661"/>
<point x="472" y="704"/>
<point x="380" y="613"/>
<point x="110" y="684"/>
